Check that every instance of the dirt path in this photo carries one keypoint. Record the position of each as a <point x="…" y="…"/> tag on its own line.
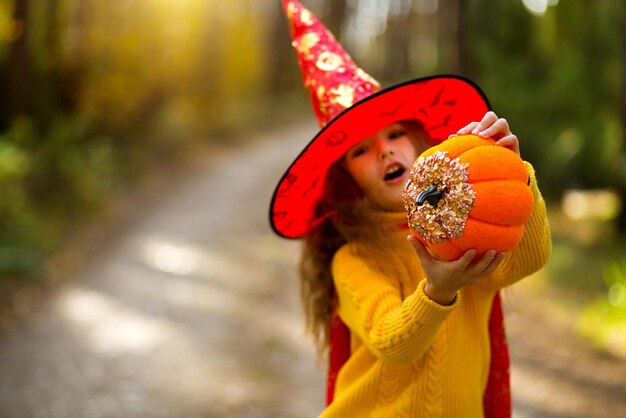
<point x="193" y="312"/>
<point x="554" y="374"/>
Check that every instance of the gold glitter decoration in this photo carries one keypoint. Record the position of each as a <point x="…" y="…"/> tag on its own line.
<point x="446" y="220"/>
<point x="306" y="42"/>
<point x="291" y="9"/>
<point x="306" y="17"/>
<point x="366" y="77"/>
<point x="321" y="91"/>
<point x="328" y="61"/>
<point x="344" y="95"/>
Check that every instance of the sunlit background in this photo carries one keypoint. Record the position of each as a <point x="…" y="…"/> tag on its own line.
<point x="99" y="95"/>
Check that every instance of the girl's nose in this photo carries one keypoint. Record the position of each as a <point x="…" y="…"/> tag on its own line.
<point x="384" y="149"/>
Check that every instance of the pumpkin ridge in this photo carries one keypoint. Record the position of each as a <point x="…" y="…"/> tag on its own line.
<point x="437" y="250"/>
<point x="491" y="223"/>
<point x="475" y="148"/>
<point x="488" y="146"/>
<point x="509" y="203"/>
<point x="452" y="244"/>
<point x="497" y="179"/>
<point x="465" y="142"/>
<point x="494" y="162"/>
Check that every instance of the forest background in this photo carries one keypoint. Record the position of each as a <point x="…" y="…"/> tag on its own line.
<point x="96" y="95"/>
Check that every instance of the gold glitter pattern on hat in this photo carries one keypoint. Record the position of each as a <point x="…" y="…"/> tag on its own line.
<point x="291" y="9"/>
<point x="321" y="92"/>
<point x="366" y="77"/>
<point x="445" y="220"/>
<point x="306" y="42"/>
<point x="306" y="17"/>
<point x="343" y="95"/>
<point x="328" y="61"/>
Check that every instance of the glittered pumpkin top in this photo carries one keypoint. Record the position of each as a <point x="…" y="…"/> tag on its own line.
<point x="445" y="218"/>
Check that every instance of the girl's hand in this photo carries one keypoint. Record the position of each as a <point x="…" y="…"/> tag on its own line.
<point x="445" y="278"/>
<point x="493" y="127"/>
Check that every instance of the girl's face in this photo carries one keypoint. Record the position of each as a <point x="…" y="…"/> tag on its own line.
<point x="380" y="164"/>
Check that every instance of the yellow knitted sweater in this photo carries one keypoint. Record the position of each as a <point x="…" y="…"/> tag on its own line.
<point x="412" y="357"/>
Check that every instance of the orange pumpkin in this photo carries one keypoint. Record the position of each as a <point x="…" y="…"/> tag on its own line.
<point x="467" y="193"/>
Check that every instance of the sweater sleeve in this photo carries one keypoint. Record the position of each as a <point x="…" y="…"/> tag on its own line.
<point x="533" y="250"/>
<point x="371" y="306"/>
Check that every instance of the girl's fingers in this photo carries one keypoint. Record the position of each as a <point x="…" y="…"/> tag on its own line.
<point x="489" y="119"/>
<point x="467" y="129"/>
<point x="484" y="262"/>
<point x="499" y="128"/>
<point x="511" y="142"/>
<point x="465" y="260"/>
<point x="422" y="252"/>
<point x="497" y="260"/>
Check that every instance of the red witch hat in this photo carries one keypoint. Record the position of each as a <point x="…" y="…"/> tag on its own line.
<point x="350" y="107"/>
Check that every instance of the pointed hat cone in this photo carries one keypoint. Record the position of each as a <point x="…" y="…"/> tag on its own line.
<point x="333" y="80"/>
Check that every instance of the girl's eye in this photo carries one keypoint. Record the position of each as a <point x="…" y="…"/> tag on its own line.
<point x="397" y="134"/>
<point x="358" y="151"/>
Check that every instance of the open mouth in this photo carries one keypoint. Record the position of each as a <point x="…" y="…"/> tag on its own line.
<point x="393" y="172"/>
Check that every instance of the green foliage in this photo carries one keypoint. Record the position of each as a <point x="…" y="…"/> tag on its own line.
<point x="557" y="78"/>
<point x="113" y="88"/>
<point x="602" y="321"/>
<point x="20" y="242"/>
<point x="586" y="276"/>
<point x="46" y="181"/>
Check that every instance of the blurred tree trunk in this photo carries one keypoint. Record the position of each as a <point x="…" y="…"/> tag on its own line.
<point x="19" y="63"/>
<point x="49" y="81"/>
<point x="621" y="179"/>
<point x="63" y="77"/>
<point x="72" y="72"/>
<point x="336" y="17"/>
<point x="423" y="51"/>
<point x="282" y="67"/>
<point x="466" y="66"/>
<point x="448" y="36"/>
<point x="53" y="27"/>
<point x="453" y="37"/>
<point x="398" y="42"/>
<point x="82" y="17"/>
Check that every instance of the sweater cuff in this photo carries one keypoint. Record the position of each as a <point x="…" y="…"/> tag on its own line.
<point x="532" y="178"/>
<point x="429" y="311"/>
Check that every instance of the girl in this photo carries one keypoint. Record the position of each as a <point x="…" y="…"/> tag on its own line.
<point x="421" y="336"/>
<point x="418" y="326"/>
